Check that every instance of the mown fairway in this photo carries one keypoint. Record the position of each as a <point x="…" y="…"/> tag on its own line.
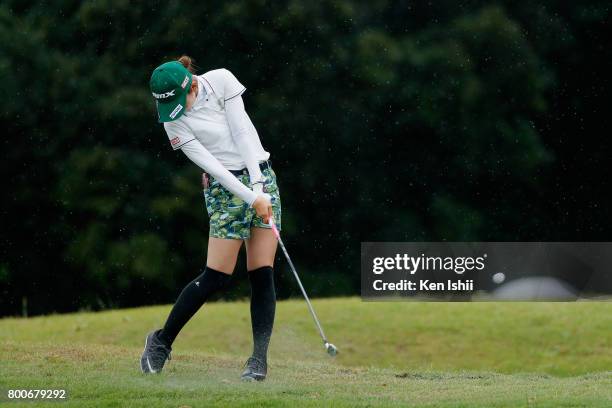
<point x="392" y="354"/>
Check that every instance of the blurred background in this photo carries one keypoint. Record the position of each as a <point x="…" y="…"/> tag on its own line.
<point x="385" y="120"/>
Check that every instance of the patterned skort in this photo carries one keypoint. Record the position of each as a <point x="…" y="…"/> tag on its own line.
<point x="231" y="217"/>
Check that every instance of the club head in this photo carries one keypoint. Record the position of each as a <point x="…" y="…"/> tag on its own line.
<point x="331" y="349"/>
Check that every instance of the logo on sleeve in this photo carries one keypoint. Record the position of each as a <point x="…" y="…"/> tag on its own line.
<point x="175" y="141"/>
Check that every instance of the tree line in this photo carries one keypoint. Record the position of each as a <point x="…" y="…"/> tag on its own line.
<point x="386" y="121"/>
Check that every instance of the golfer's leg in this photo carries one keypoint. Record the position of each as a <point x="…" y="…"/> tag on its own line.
<point x="222" y="255"/>
<point x="261" y="249"/>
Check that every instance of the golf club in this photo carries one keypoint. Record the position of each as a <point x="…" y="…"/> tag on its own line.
<point x="330" y="348"/>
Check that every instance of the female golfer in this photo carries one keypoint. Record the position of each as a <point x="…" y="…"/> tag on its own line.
<point x="204" y="116"/>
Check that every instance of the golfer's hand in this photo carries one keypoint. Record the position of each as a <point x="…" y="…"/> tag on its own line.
<point x="263" y="207"/>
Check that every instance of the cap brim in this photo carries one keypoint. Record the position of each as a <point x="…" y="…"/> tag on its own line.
<point x="169" y="111"/>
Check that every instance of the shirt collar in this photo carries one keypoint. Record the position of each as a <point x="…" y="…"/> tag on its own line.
<point x="202" y="94"/>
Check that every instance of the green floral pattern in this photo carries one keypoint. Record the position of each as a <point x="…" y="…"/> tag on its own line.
<point x="232" y="218"/>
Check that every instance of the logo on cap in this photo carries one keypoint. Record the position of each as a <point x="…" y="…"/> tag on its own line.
<point x="176" y="111"/>
<point x="184" y="84"/>
<point x="163" y="95"/>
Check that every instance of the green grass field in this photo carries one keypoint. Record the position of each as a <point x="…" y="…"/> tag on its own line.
<point x="391" y="354"/>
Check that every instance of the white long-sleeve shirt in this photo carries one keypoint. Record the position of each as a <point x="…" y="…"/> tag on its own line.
<point x="218" y="135"/>
<point x="245" y="136"/>
<point x="205" y="160"/>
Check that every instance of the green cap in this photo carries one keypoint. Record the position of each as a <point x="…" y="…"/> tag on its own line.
<point x="170" y="84"/>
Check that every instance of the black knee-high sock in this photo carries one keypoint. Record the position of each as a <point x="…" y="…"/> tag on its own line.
<point x="263" y="306"/>
<point x="190" y="300"/>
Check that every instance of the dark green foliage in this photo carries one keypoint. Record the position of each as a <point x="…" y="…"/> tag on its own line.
<point x="386" y="120"/>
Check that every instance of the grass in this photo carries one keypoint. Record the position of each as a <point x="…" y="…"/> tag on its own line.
<point x="391" y="354"/>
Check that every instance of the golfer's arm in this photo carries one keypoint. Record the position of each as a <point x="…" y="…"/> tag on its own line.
<point x="242" y="130"/>
<point x="205" y="160"/>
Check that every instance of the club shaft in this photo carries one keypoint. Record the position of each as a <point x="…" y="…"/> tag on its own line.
<point x="312" y="312"/>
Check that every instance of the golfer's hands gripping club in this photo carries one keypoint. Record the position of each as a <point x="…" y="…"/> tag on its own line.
<point x="263" y="207"/>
